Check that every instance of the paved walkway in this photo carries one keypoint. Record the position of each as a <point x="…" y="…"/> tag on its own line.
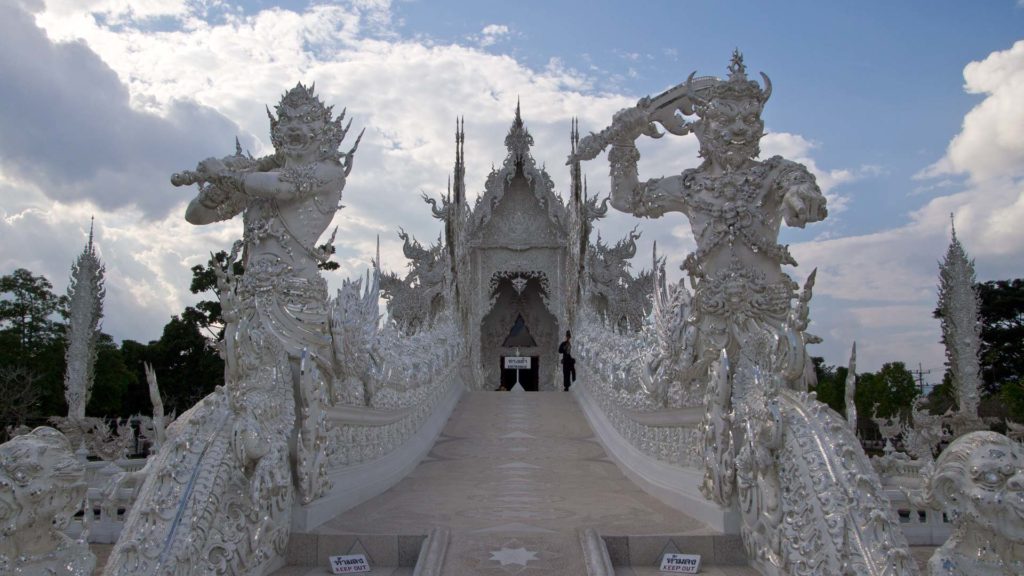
<point x="513" y="476"/>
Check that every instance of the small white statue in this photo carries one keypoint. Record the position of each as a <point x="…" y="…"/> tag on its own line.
<point x="41" y="487"/>
<point x="978" y="481"/>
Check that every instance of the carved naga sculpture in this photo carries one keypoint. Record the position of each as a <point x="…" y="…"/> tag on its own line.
<point x="42" y="485"/>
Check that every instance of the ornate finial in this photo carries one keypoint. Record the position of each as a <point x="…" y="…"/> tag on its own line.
<point x="92" y="222"/>
<point x="737" y="70"/>
<point x="518" y="140"/>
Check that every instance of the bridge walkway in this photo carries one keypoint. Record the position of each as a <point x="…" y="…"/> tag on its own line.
<point x="514" y="477"/>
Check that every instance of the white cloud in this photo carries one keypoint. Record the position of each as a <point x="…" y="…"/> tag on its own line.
<point x="67" y="126"/>
<point x="407" y="94"/>
<point x="886" y="281"/>
<point x="492" y="34"/>
<point x="990" y="144"/>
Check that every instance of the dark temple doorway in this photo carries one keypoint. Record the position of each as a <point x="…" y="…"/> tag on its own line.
<point x="528" y="379"/>
<point x="519" y="337"/>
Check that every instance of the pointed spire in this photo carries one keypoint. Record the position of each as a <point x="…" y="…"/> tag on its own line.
<point x="576" y="186"/>
<point x="952" y="225"/>
<point x="89" y="247"/>
<point x="460" y="160"/>
<point x="518" y="140"/>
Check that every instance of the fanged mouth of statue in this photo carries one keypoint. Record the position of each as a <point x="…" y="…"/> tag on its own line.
<point x="296" y="139"/>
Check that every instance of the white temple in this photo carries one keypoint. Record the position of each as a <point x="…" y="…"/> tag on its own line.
<point x="513" y="265"/>
<point x="336" y="441"/>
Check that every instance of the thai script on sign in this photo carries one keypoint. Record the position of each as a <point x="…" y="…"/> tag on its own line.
<point x="351" y="564"/>
<point x="680" y="563"/>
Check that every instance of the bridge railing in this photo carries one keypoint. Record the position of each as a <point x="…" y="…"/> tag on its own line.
<point x="757" y="456"/>
<point x="416" y="374"/>
<point x="608" y="364"/>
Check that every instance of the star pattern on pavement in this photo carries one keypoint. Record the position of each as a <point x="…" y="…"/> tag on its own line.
<point x="518" y="556"/>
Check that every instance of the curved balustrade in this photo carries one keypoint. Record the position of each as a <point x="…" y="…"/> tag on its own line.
<point x="399" y="407"/>
<point x="784" y="469"/>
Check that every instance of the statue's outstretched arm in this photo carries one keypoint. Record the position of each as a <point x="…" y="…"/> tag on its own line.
<point x="220" y="194"/>
<point x="802" y="200"/>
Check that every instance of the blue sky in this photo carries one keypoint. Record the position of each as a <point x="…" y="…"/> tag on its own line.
<point x="906" y="111"/>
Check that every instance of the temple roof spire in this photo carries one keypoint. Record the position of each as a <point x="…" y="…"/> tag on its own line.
<point x="518" y="140"/>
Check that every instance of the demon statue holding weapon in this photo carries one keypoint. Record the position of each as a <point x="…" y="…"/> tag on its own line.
<point x="744" y="350"/>
<point x="238" y="459"/>
<point x="734" y="202"/>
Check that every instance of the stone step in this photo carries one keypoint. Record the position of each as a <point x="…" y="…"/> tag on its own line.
<point x="318" y="571"/>
<point x="704" y="570"/>
<point x="647" y="550"/>
<point x="315" y="550"/>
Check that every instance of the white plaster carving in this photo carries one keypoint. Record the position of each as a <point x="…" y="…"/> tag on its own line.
<point x="41" y="487"/>
<point x="85" y="308"/>
<point x="810" y="501"/>
<point x="961" y="334"/>
<point x="226" y="463"/>
<point x="978" y="481"/>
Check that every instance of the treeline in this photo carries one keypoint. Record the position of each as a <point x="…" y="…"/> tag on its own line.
<point x="32" y="363"/>
<point x="890" y="392"/>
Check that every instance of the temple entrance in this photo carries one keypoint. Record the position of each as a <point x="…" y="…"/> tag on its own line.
<point x="519" y="325"/>
<point x="529" y="378"/>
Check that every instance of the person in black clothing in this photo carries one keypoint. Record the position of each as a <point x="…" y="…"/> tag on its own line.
<point x="568" y="362"/>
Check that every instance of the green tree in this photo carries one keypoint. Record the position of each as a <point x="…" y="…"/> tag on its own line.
<point x="136" y="397"/>
<point x="207" y="314"/>
<point x="112" y="381"/>
<point x="1012" y="396"/>
<point x="831" y="387"/>
<point x="19" y="398"/>
<point x="888" y="393"/>
<point x="29" y="311"/>
<point x="942" y="397"/>
<point x="1002" y="333"/>
<point x="187" y="364"/>
<point x="32" y="335"/>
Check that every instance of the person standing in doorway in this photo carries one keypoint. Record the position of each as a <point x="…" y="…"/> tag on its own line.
<point x="568" y="362"/>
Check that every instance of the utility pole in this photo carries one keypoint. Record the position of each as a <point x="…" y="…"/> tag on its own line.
<point x="920" y="377"/>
